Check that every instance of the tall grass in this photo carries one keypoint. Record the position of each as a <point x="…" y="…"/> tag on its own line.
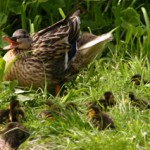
<point x="98" y="16"/>
<point x="125" y="56"/>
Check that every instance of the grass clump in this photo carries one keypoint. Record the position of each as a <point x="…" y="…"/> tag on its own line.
<point x="71" y="129"/>
<point x="127" y="55"/>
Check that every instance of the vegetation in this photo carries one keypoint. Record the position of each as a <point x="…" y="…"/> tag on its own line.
<point x="125" y="56"/>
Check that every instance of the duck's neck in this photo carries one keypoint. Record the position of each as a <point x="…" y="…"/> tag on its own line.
<point x="20" y="51"/>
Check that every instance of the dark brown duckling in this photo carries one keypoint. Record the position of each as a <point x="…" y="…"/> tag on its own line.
<point x="99" y="119"/>
<point x="4" y="115"/>
<point x="106" y="101"/>
<point x="136" y="79"/>
<point x="13" y="114"/>
<point x="71" y="106"/>
<point x="52" y="110"/>
<point x="13" y="136"/>
<point x="143" y="104"/>
<point x="47" y="114"/>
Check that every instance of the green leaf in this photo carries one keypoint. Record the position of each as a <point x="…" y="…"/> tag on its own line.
<point x="12" y="6"/>
<point x="3" y="18"/>
<point x="2" y="68"/>
<point x="9" y="65"/>
<point x="131" y="16"/>
<point x="62" y="13"/>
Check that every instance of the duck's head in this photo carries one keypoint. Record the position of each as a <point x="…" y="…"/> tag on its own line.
<point x="19" y="40"/>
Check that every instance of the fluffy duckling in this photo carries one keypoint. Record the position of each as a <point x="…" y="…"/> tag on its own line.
<point x="13" y="114"/>
<point x="51" y="111"/>
<point x="99" y="119"/>
<point x="47" y="114"/>
<point x="136" y="80"/>
<point x="107" y="100"/>
<point x="71" y="106"/>
<point x="13" y="136"/>
<point x="143" y="104"/>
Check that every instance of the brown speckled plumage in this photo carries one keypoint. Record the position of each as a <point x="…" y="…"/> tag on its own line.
<point x="54" y="55"/>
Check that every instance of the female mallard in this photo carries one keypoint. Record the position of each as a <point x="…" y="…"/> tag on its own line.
<point x="53" y="55"/>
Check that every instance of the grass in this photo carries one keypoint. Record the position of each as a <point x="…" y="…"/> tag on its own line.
<point x="73" y="131"/>
<point x="127" y="55"/>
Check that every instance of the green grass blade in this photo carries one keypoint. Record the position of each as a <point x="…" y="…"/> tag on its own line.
<point x="62" y="13"/>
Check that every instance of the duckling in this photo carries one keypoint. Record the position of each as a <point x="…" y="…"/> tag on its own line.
<point x="99" y="119"/>
<point x="106" y="100"/>
<point x="143" y="104"/>
<point x="136" y="79"/>
<point x="51" y="111"/>
<point x="13" y="136"/>
<point x="4" y="115"/>
<point x="51" y="56"/>
<point x="46" y="114"/>
<point x="13" y="114"/>
<point x="71" y="106"/>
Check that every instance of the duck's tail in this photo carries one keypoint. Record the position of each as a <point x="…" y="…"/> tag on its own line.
<point x="90" y="49"/>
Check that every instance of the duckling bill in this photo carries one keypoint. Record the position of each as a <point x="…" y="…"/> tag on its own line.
<point x="13" y="136"/>
<point x="51" y="56"/>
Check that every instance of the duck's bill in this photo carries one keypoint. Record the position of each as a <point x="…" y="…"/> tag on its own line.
<point x="12" y="44"/>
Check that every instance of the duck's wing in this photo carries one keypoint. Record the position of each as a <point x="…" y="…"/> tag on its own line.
<point x="56" y="40"/>
<point x="89" y="46"/>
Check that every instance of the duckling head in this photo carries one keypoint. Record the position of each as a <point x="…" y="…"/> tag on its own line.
<point x="19" y="40"/>
<point x="131" y="96"/>
<point x="136" y="79"/>
<point x="93" y="111"/>
<point x="14" y="104"/>
<point x="108" y="96"/>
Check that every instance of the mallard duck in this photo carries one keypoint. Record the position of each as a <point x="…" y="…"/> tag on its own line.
<point x="107" y="100"/>
<point x="13" y="114"/>
<point x="13" y="136"/>
<point x="99" y="119"/>
<point x="136" y="79"/>
<point x="53" y="55"/>
<point x="143" y="104"/>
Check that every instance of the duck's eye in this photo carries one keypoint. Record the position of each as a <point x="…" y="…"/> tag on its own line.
<point x="19" y="37"/>
<point x="14" y="38"/>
